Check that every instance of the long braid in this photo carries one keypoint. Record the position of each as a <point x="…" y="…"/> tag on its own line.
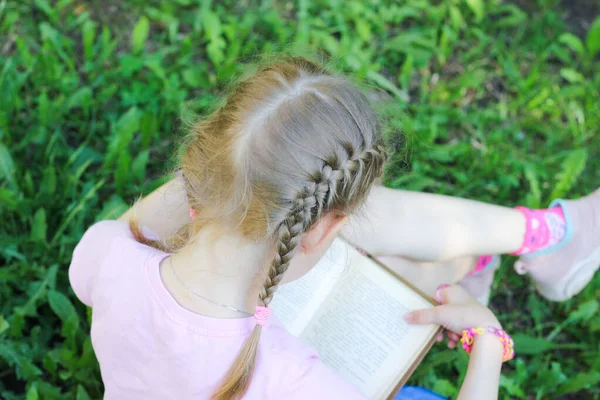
<point x="308" y="208"/>
<point x="289" y="235"/>
<point x="293" y="116"/>
<point x="305" y="210"/>
<point x="288" y="239"/>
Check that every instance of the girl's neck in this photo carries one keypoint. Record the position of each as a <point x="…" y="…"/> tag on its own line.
<point x="227" y="270"/>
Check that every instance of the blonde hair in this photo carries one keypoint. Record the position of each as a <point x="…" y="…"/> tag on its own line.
<point x="290" y="143"/>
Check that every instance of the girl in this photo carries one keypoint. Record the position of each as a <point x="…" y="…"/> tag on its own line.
<point x="181" y="302"/>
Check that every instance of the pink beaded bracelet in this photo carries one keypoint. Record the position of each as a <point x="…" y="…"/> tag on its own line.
<point x="468" y="337"/>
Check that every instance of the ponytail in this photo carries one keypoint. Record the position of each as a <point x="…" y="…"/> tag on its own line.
<point x="238" y="378"/>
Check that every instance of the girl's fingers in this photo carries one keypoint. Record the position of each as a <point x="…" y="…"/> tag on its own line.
<point x="436" y="315"/>
<point x="453" y="336"/>
<point x="422" y="317"/>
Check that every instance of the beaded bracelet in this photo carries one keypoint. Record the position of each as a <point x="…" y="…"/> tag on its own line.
<point x="468" y="337"/>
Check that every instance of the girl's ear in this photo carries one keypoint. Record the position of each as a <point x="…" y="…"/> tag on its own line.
<point x="322" y="233"/>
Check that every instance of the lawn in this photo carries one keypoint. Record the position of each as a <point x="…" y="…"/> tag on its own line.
<point x="492" y="100"/>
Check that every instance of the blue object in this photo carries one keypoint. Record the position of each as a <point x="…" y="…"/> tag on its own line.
<point x="417" y="393"/>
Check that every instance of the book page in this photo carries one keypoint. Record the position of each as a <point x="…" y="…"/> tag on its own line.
<point x="360" y="333"/>
<point x="296" y="302"/>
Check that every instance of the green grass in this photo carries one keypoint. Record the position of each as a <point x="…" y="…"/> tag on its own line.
<point x="494" y="103"/>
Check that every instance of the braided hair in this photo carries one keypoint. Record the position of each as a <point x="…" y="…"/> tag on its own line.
<point x="307" y="208"/>
<point x="291" y="144"/>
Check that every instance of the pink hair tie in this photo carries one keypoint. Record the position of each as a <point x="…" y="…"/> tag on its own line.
<point x="192" y="213"/>
<point x="261" y="314"/>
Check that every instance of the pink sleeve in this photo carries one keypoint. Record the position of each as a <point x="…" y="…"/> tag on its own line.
<point x="91" y="253"/>
<point x="317" y="381"/>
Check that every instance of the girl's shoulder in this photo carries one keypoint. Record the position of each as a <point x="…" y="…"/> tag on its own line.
<point x="107" y="231"/>
<point x="101" y="237"/>
<point x="102" y="242"/>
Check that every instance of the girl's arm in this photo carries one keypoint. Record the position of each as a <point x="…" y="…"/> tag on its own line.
<point x="164" y="211"/>
<point x="483" y="376"/>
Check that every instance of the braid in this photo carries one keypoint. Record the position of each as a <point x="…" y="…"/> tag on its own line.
<point x="349" y="179"/>
<point x="376" y="155"/>
<point x="288" y="238"/>
<point x="308" y="208"/>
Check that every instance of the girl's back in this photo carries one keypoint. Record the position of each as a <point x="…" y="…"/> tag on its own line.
<point x="150" y="347"/>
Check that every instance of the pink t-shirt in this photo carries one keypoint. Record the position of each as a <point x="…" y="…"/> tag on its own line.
<point x="150" y="347"/>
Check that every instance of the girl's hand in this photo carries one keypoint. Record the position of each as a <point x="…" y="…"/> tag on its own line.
<point x="459" y="311"/>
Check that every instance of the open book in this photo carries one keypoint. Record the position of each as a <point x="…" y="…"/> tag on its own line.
<point x="350" y="308"/>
